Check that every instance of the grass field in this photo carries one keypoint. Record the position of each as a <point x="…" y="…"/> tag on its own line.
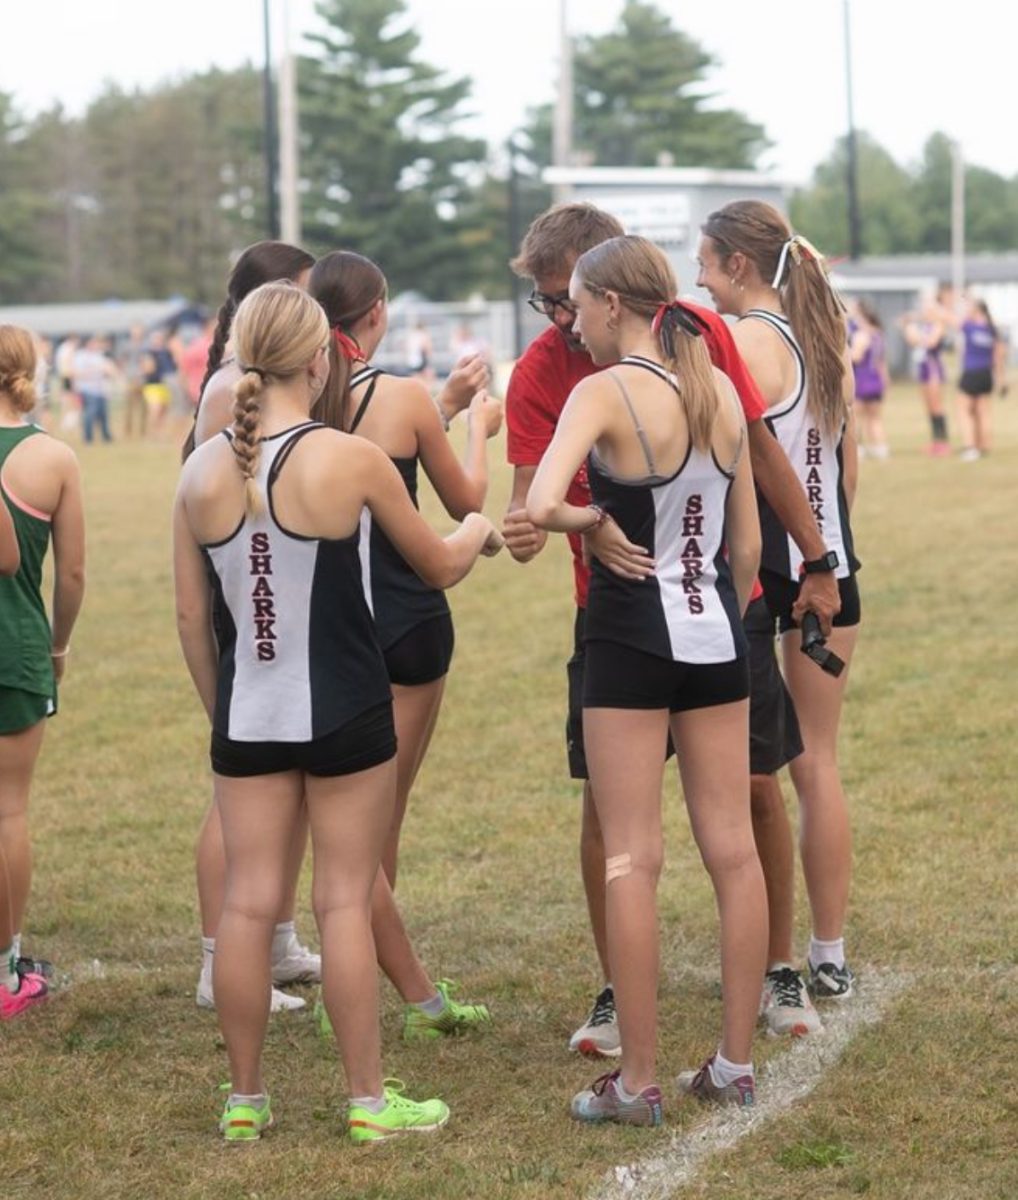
<point x="112" y="1089"/>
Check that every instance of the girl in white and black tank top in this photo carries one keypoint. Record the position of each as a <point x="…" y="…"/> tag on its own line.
<point x="663" y="436"/>
<point x="792" y="335"/>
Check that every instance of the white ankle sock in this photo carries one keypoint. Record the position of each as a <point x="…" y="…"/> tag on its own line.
<point x="282" y="935"/>
<point x="17" y="946"/>
<point x="433" y="1007"/>
<point x="254" y="1101"/>
<point x="374" y="1104"/>
<point x="8" y="975"/>
<point x="826" y="952"/>
<point x="724" y="1072"/>
<point x="623" y="1095"/>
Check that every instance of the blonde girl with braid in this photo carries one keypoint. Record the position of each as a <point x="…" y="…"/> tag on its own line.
<point x="663" y="438"/>
<point x="792" y="334"/>
<point x="40" y="502"/>
<point x="267" y="526"/>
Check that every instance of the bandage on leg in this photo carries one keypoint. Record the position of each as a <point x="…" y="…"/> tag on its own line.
<point x="616" y="867"/>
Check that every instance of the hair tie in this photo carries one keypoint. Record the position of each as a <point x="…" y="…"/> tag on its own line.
<point x="262" y="375"/>
<point x="348" y="347"/>
<point x="799" y="248"/>
<point x="685" y="318"/>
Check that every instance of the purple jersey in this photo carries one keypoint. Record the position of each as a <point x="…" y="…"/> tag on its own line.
<point x="980" y="341"/>
<point x="869" y="370"/>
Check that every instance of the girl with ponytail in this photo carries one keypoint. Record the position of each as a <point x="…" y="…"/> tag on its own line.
<point x="40" y="501"/>
<point x="296" y="689"/>
<point x="662" y="435"/>
<point x="791" y="333"/>
<point x="261" y="263"/>
<point x="413" y="620"/>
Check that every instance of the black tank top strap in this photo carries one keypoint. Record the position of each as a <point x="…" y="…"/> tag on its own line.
<point x="640" y="434"/>
<point x="370" y="374"/>
<point x="287" y="449"/>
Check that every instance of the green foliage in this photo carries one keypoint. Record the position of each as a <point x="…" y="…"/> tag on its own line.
<point x="639" y="100"/>
<point x="389" y="175"/>
<point x="905" y="210"/>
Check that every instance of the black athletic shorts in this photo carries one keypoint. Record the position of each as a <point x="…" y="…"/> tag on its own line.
<point x="774" y="737"/>
<point x="618" y="676"/>
<point x="781" y="593"/>
<point x="366" y="741"/>
<point x="976" y="383"/>
<point x="422" y="655"/>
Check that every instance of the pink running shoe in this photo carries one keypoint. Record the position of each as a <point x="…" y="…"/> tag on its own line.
<point x="701" y="1085"/>
<point x="33" y="990"/>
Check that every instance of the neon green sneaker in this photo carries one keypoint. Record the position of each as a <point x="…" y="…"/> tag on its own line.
<point x="400" y="1115"/>
<point x="321" y="1019"/>
<point x="244" y="1122"/>
<point x="453" y="1020"/>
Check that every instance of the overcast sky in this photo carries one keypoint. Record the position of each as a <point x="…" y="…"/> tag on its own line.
<point x="919" y="66"/>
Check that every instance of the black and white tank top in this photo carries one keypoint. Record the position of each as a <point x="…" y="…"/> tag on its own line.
<point x="298" y="652"/>
<point x="398" y="598"/>
<point x="816" y="458"/>
<point x="688" y="610"/>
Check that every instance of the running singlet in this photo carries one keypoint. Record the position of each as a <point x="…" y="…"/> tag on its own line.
<point x="549" y="370"/>
<point x="980" y="342"/>
<point x="816" y="459"/>
<point x="25" y="636"/>
<point x="398" y="598"/>
<point x="687" y="611"/>
<point x="298" y="654"/>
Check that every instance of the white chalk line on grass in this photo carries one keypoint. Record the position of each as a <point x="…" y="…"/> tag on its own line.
<point x="781" y="1083"/>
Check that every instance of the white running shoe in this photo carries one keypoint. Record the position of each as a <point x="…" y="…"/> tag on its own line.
<point x="281" y="1001"/>
<point x="297" y="964"/>
<point x="598" y="1036"/>
<point x="785" y="1004"/>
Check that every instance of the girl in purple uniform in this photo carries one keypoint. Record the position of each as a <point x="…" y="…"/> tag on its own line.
<point x="925" y="333"/>
<point x="869" y="366"/>
<point x="982" y="364"/>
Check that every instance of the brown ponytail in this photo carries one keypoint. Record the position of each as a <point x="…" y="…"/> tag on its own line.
<point x="261" y="263"/>
<point x="17" y="367"/>
<point x="788" y="263"/>
<point x="642" y="277"/>
<point x="347" y="286"/>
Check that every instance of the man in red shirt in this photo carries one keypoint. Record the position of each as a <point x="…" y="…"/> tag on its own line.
<point x="538" y="389"/>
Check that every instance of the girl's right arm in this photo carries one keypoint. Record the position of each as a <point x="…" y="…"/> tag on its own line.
<point x="10" y="552"/>
<point x="194" y="608"/>
<point x="440" y="562"/>
<point x="68" y="530"/>
<point x="461" y="487"/>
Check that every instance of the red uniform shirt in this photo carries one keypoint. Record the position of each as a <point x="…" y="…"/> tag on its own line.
<point x="549" y="370"/>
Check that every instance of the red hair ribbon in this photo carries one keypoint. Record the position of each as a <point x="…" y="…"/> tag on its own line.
<point x="348" y="348"/>
<point x="659" y="315"/>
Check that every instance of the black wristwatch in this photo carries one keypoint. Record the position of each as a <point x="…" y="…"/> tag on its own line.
<point x="817" y="566"/>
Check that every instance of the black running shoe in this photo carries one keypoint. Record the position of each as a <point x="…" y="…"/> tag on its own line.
<point x="27" y="965"/>
<point x="828" y="982"/>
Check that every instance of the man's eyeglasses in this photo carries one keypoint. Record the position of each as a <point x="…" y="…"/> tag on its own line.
<point x="547" y="305"/>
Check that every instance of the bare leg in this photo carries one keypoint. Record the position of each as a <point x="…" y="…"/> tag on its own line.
<point x="414" y="713"/>
<point x="396" y="955"/>
<point x="210" y="862"/>
<point x="773" y="836"/>
<point x="825" y="838"/>
<point x="966" y="419"/>
<point x="18" y="754"/>
<point x="592" y="868"/>
<point x="981" y="423"/>
<point x="625" y="752"/>
<point x="713" y="752"/>
<point x="350" y="816"/>
<point x="258" y="815"/>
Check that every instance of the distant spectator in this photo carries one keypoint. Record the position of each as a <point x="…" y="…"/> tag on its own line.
<point x="159" y="369"/>
<point x="133" y="365"/>
<point x="869" y="365"/>
<point x="92" y="371"/>
<point x="419" y="352"/>
<point x="191" y="359"/>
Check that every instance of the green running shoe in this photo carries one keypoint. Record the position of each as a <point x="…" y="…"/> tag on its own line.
<point x="243" y="1122"/>
<point x="400" y="1115"/>
<point x="453" y="1020"/>
<point x="321" y="1019"/>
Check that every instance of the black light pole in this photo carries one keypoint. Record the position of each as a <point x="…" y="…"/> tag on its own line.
<point x="854" y="232"/>
<point x="514" y="246"/>
<point x="271" y="155"/>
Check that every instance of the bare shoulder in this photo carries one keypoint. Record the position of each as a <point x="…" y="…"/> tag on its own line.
<point x="409" y="393"/>
<point x="48" y="453"/>
<point x="215" y="412"/>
